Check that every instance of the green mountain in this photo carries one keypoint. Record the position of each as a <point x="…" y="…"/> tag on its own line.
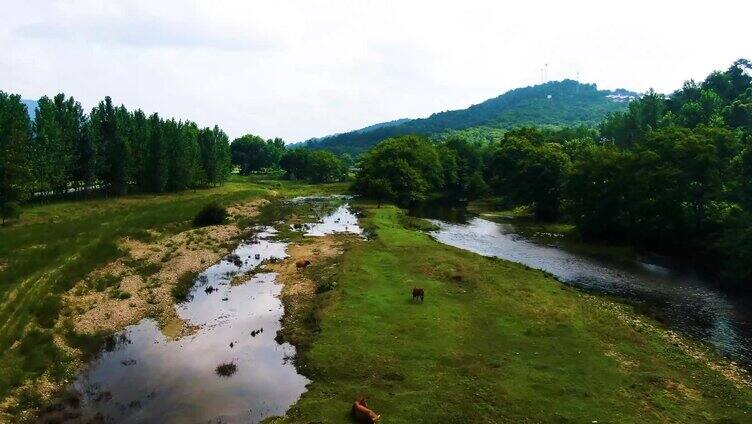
<point x="558" y="103"/>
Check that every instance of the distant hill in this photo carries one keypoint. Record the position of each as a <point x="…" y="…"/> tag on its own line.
<point x="312" y="141"/>
<point x="31" y="106"/>
<point x="564" y="102"/>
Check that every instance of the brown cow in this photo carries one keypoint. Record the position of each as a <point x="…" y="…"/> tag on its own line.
<point x="362" y="413"/>
<point x="302" y="264"/>
<point x="418" y="293"/>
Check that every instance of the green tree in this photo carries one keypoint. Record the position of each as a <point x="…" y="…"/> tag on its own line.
<point x="9" y="210"/>
<point x="156" y="156"/>
<point x="531" y="174"/>
<point x="323" y="166"/>
<point x="644" y="114"/>
<point x="252" y="154"/>
<point x="182" y="154"/>
<point x="111" y="146"/>
<point x="410" y="164"/>
<point x="139" y="143"/>
<point x="58" y="130"/>
<point x="15" y="163"/>
<point x="295" y="162"/>
<point x="379" y="189"/>
<point x="84" y="171"/>
<point x="215" y="155"/>
<point x="462" y="162"/>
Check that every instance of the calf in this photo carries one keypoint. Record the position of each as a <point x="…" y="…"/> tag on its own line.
<point x="362" y="413"/>
<point x="302" y="264"/>
<point x="418" y="293"/>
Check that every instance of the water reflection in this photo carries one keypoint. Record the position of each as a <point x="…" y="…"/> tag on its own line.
<point x="141" y="377"/>
<point x="151" y="379"/>
<point x="678" y="297"/>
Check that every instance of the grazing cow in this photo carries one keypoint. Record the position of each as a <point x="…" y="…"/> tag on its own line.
<point x="362" y="413"/>
<point x="418" y="293"/>
<point x="302" y="264"/>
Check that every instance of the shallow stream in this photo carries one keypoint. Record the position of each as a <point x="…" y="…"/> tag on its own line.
<point x="142" y="377"/>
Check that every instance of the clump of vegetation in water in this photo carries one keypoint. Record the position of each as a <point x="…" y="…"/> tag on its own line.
<point x="182" y="287"/>
<point x="211" y="214"/>
<point x="226" y="370"/>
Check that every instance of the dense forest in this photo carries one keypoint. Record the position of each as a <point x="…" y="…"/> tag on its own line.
<point x="669" y="173"/>
<point x="556" y="103"/>
<point x="64" y="152"/>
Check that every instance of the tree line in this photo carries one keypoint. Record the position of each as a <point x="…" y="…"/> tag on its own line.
<point x="670" y="173"/>
<point x="251" y="153"/>
<point x="111" y="149"/>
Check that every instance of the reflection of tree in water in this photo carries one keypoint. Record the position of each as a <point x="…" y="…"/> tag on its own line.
<point x="116" y="341"/>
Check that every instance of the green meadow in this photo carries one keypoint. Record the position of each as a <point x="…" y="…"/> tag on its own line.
<point x="493" y="342"/>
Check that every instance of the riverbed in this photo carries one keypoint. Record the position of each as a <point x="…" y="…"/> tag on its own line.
<point x="232" y="369"/>
<point x="676" y="295"/>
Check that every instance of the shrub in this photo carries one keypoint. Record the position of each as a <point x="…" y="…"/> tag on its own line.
<point x="211" y="214"/>
<point x="182" y="288"/>
<point x="9" y="210"/>
<point x="226" y="369"/>
<point x="119" y="294"/>
<point x="325" y="286"/>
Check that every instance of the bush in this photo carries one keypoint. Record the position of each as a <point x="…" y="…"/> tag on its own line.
<point x="182" y="288"/>
<point x="226" y="369"/>
<point x="211" y="214"/>
<point x="9" y="210"/>
<point x="325" y="286"/>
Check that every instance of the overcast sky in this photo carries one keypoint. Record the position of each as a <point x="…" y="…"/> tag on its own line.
<point x="300" y="69"/>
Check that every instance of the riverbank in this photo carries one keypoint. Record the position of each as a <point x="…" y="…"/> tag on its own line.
<point x="494" y="342"/>
<point x="75" y="272"/>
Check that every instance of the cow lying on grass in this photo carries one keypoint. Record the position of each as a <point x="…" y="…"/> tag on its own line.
<point x="362" y="413"/>
<point x="302" y="264"/>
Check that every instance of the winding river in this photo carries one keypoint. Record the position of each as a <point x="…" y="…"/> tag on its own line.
<point x="676" y="296"/>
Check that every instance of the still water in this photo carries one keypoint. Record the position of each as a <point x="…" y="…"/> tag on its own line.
<point x="675" y="295"/>
<point x="144" y="378"/>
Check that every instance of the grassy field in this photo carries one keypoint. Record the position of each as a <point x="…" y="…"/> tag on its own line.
<point x="55" y="245"/>
<point x="493" y="342"/>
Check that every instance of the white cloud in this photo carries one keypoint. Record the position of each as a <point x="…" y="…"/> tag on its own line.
<point x="299" y="69"/>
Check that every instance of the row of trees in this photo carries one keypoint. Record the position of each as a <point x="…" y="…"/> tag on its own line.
<point x="672" y="173"/>
<point x="319" y="166"/>
<point x="63" y="150"/>
<point x="251" y="153"/>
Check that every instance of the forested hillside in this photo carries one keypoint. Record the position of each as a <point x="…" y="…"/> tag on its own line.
<point x="670" y="173"/>
<point x="557" y="103"/>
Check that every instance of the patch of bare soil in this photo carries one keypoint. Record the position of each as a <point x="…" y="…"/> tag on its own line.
<point x="146" y="276"/>
<point x="298" y="283"/>
<point x="299" y="294"/>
